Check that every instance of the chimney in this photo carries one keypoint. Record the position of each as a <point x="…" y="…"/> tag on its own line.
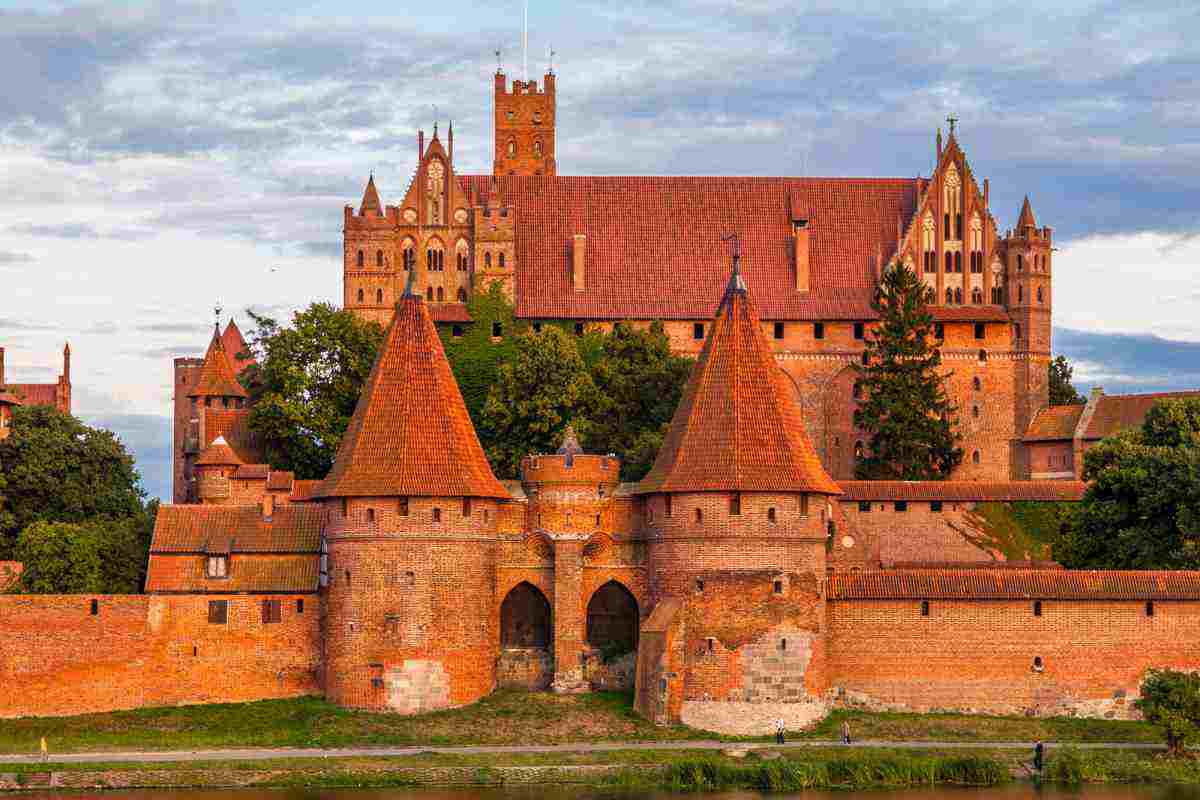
<point x="1" y="366"/>
<point x="268" y="506"/>
<point x="800" y="232"/>
<point x="578" y="253"/>
<point x="420" y="145"/>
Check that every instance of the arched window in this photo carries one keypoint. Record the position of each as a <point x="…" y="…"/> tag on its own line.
<point x="1020" y="263"/>
<point x="976" y="244"/>
<point x="1039" y="294"/>
<point x="435" y="257"/>
<point x="462" y="295"/>
<point x="978" y="383"/>
<point x="429" y="293"/>
<point x="1020" y="292"/>
<point x="975" y="457"/>
<point x="1017" y="331"/>
<point x="487" y="260"/>
<point x="410" y="255"/>
<point x="998" y="295"/>
<point x="360" y="295"/>
<point x="949" y="295"/>
<point x="512" y="148"/>
<point x="975" y="411"/>
<point x="501" y="257"/>
<point x="952" y="202"/>
<point x="441" y="294"/>
<point x="379" y="296"/>
<point x="361" y="258"/>
<point x="537" y="148"/>
<point x="928" y="244"/>
<point x="462" y="261"/>
<point x="977" y="296"/>
<point x="949" y="262"/>
<point x="958" y="261"/>
<point x="379" y="258"/>
<point x="958" y="295"/>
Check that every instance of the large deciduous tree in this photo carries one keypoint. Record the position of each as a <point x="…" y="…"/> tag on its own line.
<point x="1142" y="507"/>
<point x="904" y="407"/>
<point x="306" y="384"/>
<point x="1062" y="392"/>
<point x="53" y="468"/>
<point x="100" y="555"/>
<point x="1171" y="700"/>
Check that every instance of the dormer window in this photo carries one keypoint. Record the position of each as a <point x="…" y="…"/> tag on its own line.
<point x="217" y="566"/>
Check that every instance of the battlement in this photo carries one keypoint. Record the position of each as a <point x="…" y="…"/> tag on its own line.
<point x="567" y="468"/>
<point x="525" y="88"/>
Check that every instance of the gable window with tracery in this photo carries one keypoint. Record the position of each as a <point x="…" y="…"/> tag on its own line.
<point x="928" y="244"/>
<point x="952" y="204"/>
<point x="976" y="243"/>
<point x="435" y="257"/>
<point x="435" y="176"/>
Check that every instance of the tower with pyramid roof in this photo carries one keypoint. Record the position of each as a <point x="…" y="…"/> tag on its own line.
<point x="411" y="511"/>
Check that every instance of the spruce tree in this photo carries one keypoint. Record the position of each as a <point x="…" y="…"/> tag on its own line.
<point x="904" y="407"/>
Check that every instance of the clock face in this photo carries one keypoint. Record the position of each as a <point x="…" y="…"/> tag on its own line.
<point x="410" y="215"/>
<point x="847" y="542"/>
<point x="460" y="216"/>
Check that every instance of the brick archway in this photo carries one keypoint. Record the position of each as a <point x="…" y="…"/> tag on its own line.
<point x="525" y="619"/>
<point x="612" y="618"/>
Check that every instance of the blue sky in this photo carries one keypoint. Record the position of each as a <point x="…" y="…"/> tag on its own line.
<point x="160" y="158"/>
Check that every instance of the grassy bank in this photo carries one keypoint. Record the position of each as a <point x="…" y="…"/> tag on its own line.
<point x="506" y="717"/>
<point x="1071" y="766"/>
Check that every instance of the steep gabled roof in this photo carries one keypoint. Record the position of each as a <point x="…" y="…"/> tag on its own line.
<point x="216" y="375"/>
<point x="219" y="453"/>
<point x="235" y="346"/>
<point x="1026" y="218"/>
<point x="370" y="202"/>
<point x="738" y="426"/>
<point x="410" y="434"/>
<point x="1117" y="412"/>
<point x="1054" y="423"/>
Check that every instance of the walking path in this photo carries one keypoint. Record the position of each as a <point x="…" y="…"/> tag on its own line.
<point x="267" y="753"/>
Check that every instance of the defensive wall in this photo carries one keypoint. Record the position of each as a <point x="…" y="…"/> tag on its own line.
<point x="76" y="654"/>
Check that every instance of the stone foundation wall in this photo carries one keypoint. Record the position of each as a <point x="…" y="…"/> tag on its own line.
<point x="525" y="668"/>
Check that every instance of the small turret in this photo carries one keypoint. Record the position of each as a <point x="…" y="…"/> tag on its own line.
<point x="370" y="202"/>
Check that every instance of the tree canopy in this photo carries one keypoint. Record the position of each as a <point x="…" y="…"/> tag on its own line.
<point x="1062" y="392"/>
<point x="1142" y="507"/>
<point x="97" y="556"/>
<point x="53" y="468"/>
<point x="306" y="384"/>
<point x="1171" y="699"/>
<point x="904" y="407"/>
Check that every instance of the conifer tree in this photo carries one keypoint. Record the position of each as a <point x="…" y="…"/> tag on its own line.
<point x="904" y="407"/>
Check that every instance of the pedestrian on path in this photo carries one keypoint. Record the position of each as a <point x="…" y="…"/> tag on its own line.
<point x="1038" y="751"/>
<point x="845" y="731"/>
<point x="780" y="728"/>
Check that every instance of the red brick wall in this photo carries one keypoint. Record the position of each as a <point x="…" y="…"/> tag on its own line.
<point x="979" y="655"/>
<point x="186" y="373"/>
<point x="884" y="536"/>
<point x="1051" y="460"/>
<point x="57" y="658"/>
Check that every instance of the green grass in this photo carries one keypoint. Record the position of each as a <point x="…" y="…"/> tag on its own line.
<point x="1073" y="766"/>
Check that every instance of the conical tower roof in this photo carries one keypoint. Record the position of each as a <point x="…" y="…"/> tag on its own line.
<point x="370" y="201"/>
<point x="738" y="426"/>
<point x="235" y="345"/>
<point x="216" y="375"/>
<point x="218" y="454"/>
<point x="410" y="434"/>
<point x="1026" y="219"/>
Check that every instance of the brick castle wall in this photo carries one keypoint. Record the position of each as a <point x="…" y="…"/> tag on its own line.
<point x="58" y="658"/>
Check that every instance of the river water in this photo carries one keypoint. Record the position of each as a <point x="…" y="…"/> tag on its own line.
<point x="1015" y="791"/>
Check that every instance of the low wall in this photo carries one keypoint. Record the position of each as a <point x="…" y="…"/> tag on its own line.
<point x="525" y="668"/>
<point x="979" y="655"/>
<point x="61" y="655"/>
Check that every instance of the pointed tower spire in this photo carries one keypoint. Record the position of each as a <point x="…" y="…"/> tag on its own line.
<point x="738" y="426"/>
<point x="370" y="201"/>
<point x="1026" y="219"/>
<point x="216" y="374"/>
<point x="235" y="347"/>
<point x="394" y="446"/>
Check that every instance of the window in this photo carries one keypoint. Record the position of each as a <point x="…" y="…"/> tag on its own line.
<point x="939" y="330"/>
<point x="437" y="514"/>
<point x="1020" y="263"/>
<point x="866" y="358"/>
<point x="980" y="330"/>
<point x="859" y="330"/>
<point x="699" y="585"/>
<point x="360" y="295"/>
<point x="466" y="508"/>
<point x="217" y="567"/>
<point x="778" y="587"/>
<point x="901" y="506"/>
<point x="864" y="506"/>
<point x="462" y="295"/>
<point x="735" y="504"/>
<point x="1037" y="608"/>
<point x="949" y="262"/>
<point x="512" y="148"/>
<point x="712" y="645"/>
<point x="699" y="516"/>
<point x="958" y="296"/>
<point x="958" y="261"/>
<point x="579" y="329"/>
<point x="778" y="330"/>
<point x="975" y="457"/>
<point x="667" y="504"/>
<point x="379" y="258"/>
<point x="949" y="296"/>
<point x="537" y="327"/>
<point x="977" y="383"/>
<point x="998" y="295"/>
<point x="818" y="330"/>
<point x="975" y="411"/>
<point x="361" y="258"/>
<point x="697" y="330"/>
<point x="771" y="514"/>
<point x="379" y="296"/>
<point x="345" y="507"/>
<point x="858" y="451"/>
<point x="497" y="330"/>
<point x="218" y="612"/>
<point x="857" y="391"/>
<point x="946" y="226"/>
<point x="429" y="293"/>
<point x="299" y="605"/>
<point x="1039" y="294"/>
<point x="500" y="258"/>
<point x="441" y="294"/>
<point x="487" y="259"/>
<point x="982" y="355"/>
<point x="371" y="515"/>
<point x="272" y="612"/>
<point x="804" y="505"/>
<point x="410" y="256"/>
<point x="537" y="148"/>
<point x="977" y="296"/>
<point x="924" y="608"/>
<point x="1149" y="608"/>
<point x="403" y="507"/>
<point x="935" y="506"/>
<point x="95" y="608"/>
<point x="783" y="644"/>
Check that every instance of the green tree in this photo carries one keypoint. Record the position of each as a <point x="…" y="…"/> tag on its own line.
<point x="473" y="355"/>
<point x="1142" y="507"/>
<point x="53" y="468"/>
<point x="904" y="409"/>
<point x="1171" y="700"/>
<point x="1062" y="391"/>
<point x="306" y="384"/>
<point x="99" y="556"/>
<point x="542" y="388"/>
<point x="639" y="382"/>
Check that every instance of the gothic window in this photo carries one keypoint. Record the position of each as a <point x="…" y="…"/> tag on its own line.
<point x="429" y="293"/>
<point x="487" y="260"/>
<point x="360" y="295"/>
<point x="525" y="618"/>
<point x="949" y="296"/>
<point x="952" y="203"/>
<point x="462" y="295"/>
<point x="434" y="189"/>
<point x="537" y="149"/>
<point x="379" y="296"/>
<point x="929" y="243"/>
<point x="512" y="148"/>
<point x="461" y="262"/>
<point x="435" y="257"/>
<point x="361" y="258"/>
<point x="976" y="244"/>
<point x="977" y="296"/>
<point x="441" y="294"/>
<point x="1020" y="263"/>
<point x="410" y="255"/>
<point x="975" y="457"/>
<point x="501" y="260"/>
<point x="949" y="262"/>
<point x="379" y="258"/>
<point x="958" y="261"/>
<point x="975" y="411"/>
<point x="997" y="295"/>
<point x="1020" y="292"/>
<point x="958" y="296"/>
<point x="978" y="383"/>
<point x="1039" y="294"/>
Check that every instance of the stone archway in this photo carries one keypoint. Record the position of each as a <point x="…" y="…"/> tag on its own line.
<point x="526" y="632"/>
<point x="612" y="619"/>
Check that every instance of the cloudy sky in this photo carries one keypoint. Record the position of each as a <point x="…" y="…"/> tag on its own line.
<point x="161" y="158"/>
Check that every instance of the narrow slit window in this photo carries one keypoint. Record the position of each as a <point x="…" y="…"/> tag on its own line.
<point x="1037" y="608"/>
<point x="735" y="504"/>
<point x="924" y="608"/>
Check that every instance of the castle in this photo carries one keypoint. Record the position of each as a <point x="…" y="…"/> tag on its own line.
<point x="745" y="579"/>
<point x="56" y="395"/>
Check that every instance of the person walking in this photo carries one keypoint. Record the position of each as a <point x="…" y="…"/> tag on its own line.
<point x="845" y="731"/>
<point x="1038" y="751"/>
<point x="779" y="730"/>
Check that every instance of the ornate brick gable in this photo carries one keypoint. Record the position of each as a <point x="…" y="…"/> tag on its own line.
<point x="410" y="434"/>
<point x="738" y="426"/>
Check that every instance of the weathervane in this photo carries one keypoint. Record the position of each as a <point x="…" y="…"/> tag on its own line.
<point x="952" y="119"/>
<point x="497" y="59"/>
<point x="551" y="60"/>
<point x="217" y="312"/>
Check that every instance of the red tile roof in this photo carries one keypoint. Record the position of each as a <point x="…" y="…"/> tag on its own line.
<point x="235" y="347"/>
<point x="304" y="490"/>
<point x="962" y="491"/>
<point x="1054" y="423"/>
<point x="1026" y="217"/>
<point x="242" y="529"/>
<point x="280" y="481"/>
<point x="370" y="202"/>
<point x="219" y="453"/>
<point x="252" y="472"/>
<point x="449" y="312"/>
<point x="738" y="426"/>
<point x="234" y="425"/>
<point x="410" y="434"/>
<point x="216" y="375"/>
<point x="292" y="574"/>
<point x="1116" y="412"/>
<point x="9" y="399"/>
<point x="653" y="243"/>
<point x="1001" y="584"/>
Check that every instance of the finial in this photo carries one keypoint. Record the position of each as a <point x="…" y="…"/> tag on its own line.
<point x="498" y="61"/>
<point x="952" y="120"/>
<point x="551" y="60"/>
<point x="736" y="284"/>
<point x="217" y="316"/>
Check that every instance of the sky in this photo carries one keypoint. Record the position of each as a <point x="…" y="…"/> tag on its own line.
<point x="159" y="159"/>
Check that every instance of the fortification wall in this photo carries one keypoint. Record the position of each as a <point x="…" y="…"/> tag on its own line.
<point x="60" y="654"/>
<point x="870" y="533"/>
<point x="979" y="655"/>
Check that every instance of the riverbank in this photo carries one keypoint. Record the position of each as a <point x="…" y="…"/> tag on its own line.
<point x="738" y="767"/>
<point x="504" y="718"/>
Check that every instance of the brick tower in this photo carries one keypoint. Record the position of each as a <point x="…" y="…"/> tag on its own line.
<point x="525" y="120"/>
<point x="1027" y="263"/>
<point x="370" y="257"/>
<point x="411" y="508"/>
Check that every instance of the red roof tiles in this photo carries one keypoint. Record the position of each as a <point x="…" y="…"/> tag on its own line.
<point x="1026" y="217"/>
<point x="1116" y="412"/>
<point x="1054" y="423"/>
<point x="304" y="490"/>
<point x="449" y="312"/>
<point x="235" y="348"/>
<point x="410" y="434"/>
<point x="219" y="453"/>
<point x="240" y="529"/>
<point x="234" y="425"/>
<point x="963" y="491"/>
<point x="370" y="202"/>
<point x="216" y="374"/>
<point x="280" y="481"/>
<point x="738" y="426"/>
<point x="247" y="574"/>
<point x="1001" y="584"/>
